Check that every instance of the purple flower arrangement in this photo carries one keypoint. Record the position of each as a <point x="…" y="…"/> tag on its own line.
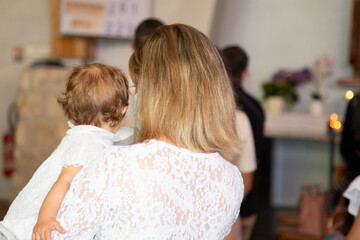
<point x="283" y="83"/>
<point x="296" y="78"/>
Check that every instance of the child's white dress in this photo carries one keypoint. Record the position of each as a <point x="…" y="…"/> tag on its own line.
<point x="79" y="147"/>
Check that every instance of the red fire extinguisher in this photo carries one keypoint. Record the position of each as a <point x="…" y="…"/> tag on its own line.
<point x="8" y="154"/>
<point x="9" y="143"/>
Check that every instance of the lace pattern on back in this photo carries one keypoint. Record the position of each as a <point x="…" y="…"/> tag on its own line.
<point x="153" y="190"/>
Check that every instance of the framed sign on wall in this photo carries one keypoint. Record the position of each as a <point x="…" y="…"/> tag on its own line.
<point x="103" y="18"/>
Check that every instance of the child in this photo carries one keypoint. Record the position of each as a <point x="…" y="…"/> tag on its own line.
<point x="95" y="101"/>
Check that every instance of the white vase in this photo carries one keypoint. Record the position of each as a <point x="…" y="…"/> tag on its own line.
<point x="316" y="107"/>
<point x="274" y="104"/>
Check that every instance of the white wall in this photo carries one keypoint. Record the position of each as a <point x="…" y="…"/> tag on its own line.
<point x="288" y="34"/>
<point x="197" y="13"/>
<point x="21" y="23"/>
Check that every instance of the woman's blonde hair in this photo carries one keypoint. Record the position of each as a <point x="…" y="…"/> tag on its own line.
<point x="184" y="93"/>
<point x="95" y="93"/>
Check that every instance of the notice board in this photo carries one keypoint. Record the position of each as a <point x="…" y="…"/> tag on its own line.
<point x="103" y="18"/>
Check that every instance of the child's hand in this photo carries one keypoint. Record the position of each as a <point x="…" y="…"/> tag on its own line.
<point x="42" y="229"/>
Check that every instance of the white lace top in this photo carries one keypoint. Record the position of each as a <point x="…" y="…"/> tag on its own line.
<point x="79" y="147"/>
<point x="152" y="190"/>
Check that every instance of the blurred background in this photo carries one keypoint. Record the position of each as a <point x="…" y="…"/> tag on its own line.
<point x="279" y="36"/>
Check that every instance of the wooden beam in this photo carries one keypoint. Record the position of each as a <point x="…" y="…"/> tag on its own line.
<point x="67" y="46"/>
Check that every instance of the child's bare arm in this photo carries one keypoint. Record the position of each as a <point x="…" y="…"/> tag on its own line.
<point x="48" y="211"/>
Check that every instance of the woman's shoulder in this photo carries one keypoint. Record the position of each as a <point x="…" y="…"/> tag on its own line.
<point x="120" y="153"/>
<point x="150" y="146"/>
<point x="126" y="149"/>
<point x="154" y="150"/>
<point x="232" y="170"/>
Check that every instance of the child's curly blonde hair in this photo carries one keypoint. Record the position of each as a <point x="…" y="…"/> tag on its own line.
<point x="95" y="93"/>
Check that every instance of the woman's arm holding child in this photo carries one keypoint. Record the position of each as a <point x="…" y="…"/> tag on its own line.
<point x="48" y="211"/>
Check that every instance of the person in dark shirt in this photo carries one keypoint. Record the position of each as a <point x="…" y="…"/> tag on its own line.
<point x="350" y="151"/>
<point x="236" y="61"/>
<point x="350" y="140"/>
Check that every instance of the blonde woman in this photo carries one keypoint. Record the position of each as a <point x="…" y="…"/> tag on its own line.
<point x="176" y="182"/>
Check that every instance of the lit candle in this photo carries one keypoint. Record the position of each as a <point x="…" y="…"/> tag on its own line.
<point x="349" y="95"/>
<point x="335" y="124"/>
<point x="334" y="117"/>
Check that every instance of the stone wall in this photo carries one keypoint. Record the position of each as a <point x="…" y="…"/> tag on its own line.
<point x="41" y="123"/>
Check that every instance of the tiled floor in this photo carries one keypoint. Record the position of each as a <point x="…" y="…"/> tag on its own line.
<point x="265" y="228"/>
<point x="266" y="224"/>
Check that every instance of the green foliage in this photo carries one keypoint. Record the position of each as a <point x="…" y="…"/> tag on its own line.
<point x="283" y="88"/>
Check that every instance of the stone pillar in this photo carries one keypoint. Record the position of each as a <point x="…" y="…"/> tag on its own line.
<point x="41" y="123"/>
